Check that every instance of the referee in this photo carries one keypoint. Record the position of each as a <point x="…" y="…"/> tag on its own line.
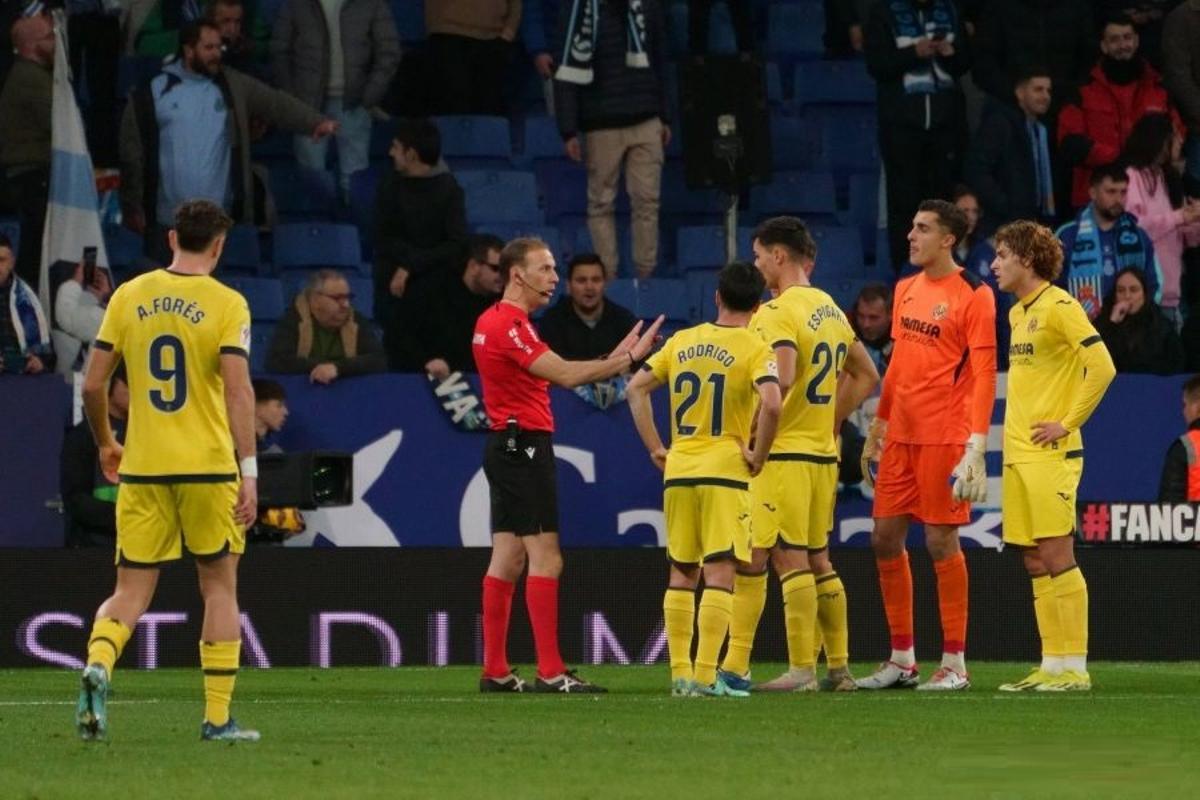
<point x="516" y="369"/>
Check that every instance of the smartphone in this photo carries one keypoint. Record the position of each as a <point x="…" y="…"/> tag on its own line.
<point x="89" y="266"/>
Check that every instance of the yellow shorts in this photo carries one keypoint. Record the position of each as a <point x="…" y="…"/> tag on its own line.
<point x="706" y="522"/>
<point x="154" y="520"/>
<point x="793" y="503"/>
<point x="1038" y="500"/>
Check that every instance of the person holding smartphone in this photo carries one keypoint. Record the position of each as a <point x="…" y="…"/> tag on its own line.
<point x="78" y="310"/>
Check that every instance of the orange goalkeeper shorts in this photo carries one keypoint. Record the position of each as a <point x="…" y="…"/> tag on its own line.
<point x="914" y="480"/>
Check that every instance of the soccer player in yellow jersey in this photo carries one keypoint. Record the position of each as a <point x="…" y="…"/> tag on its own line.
<point x="716" y="373"/>
<point x="1058" y="372"/>
<point x="184" y="339"/>
<point x="793" y="497"/>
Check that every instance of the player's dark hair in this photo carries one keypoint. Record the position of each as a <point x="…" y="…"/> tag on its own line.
<point x="790" y="233"/>
<point x="875" y="291"/>
<point x="118" y="374"/>
<point x="5" y="241"/>
<point x="1191" y="388"/>
<point x="266" y="390"/>
<point x="1036" y="245"/>
<point x="189" y="33"/>
<point x="420" y="134"/>
<point x="740" y="285"/>
<point x="582" y="260"/>
<point x="198" y="223"/>
<point x="480" y="244"/>
<point x="950" y="217"/>
<point x="514" y="253"/>
<point x="1113" y="171"/>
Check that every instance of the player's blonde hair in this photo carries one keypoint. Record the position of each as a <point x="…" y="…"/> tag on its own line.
<point x="1034" y="244"/>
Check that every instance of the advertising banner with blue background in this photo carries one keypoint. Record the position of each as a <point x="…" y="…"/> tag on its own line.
<point x="418" y="480"/>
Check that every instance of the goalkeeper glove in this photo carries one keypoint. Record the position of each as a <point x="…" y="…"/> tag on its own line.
<point x="873" y="450"/>
<point x="970" y="476"/>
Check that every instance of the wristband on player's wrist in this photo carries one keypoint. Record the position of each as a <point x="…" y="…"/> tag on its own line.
<point x="249" y="467"/>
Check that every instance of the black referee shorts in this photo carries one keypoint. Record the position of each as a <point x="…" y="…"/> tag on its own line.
<point x="522" y="484"/>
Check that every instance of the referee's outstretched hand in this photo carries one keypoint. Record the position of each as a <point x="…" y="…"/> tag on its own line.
<point x="639" y="346"/>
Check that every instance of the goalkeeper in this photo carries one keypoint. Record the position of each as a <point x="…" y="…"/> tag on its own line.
<point x="925" y="450"/>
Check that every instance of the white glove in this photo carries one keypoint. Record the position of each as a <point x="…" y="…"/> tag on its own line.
<point x="970" y="476"/>
<point x="873" y="450"/>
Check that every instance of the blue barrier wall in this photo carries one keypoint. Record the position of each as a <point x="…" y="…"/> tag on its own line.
<point x="418" y="481"/>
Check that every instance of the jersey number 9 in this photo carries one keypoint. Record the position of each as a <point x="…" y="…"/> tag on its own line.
<point x="167" y="365"/>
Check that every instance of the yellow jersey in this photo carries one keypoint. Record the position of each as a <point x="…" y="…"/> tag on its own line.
<point x="712" y="372"/>
<point x="1058" y="369"/>
<point x="171" y="330"/>
<point x="809" y="321"/>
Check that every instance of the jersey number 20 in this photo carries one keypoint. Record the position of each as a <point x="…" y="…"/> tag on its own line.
<point x="167" y="365"/>
<point x="825" y="359"/>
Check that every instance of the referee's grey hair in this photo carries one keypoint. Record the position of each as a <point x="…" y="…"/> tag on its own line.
<point x="514" y="253"/>
<point x="317" y="279"/>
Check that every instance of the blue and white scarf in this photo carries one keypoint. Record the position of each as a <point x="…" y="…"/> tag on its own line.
<point x="910" y="24"/>
<point x="1086" y="277"/>
<point x="29" y="322"/>
<point x="579" y="45"/>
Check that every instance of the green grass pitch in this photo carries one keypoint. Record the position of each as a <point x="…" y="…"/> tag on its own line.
<point x="425" y="732"/>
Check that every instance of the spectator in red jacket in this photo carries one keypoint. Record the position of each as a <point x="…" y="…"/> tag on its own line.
<point x="1122" y="88"/>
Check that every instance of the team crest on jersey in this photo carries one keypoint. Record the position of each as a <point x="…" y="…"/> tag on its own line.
<point x="773" y="369"/>
<point x="1032" y="326"/>
<point x="940" y="311"/>
<point x="246" y="338"/>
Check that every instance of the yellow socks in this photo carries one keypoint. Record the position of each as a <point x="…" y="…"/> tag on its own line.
<point x="749" y="597"/>
<point x="799" y="616"/>
<point x="108" y="639"/>
<point x="1045" y="609"/>
<point x="219" y="661"/>
<point x="1070" y="590"/>
<point x="716" y="610"/>
<point x="679" y="616"/>
<point x="831" y="621"/>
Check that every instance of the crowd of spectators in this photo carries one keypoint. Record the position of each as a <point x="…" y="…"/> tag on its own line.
<point x="1082" y="115"/>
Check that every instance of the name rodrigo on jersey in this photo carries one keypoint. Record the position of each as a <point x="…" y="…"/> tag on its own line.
<point x="712" y="351"/>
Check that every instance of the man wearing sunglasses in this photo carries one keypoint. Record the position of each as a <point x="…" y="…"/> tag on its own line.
<point x="322" y="334"/>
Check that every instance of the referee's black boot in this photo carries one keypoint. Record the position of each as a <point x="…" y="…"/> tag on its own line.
<point x="567" y="683"/>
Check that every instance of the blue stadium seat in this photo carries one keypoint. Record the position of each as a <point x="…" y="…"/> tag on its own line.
<point x="795" y="141"/>
<point x="512" y="230"/>
<point x="316" y="245"/>
<point x="833" y="82"/>
<point x="677" y="29"/>
<point x="842" y="290"/>
<point x="11" y="227"/>
<point x="363" y="186"/>
<point x="242" y="252"/>
<point x="476" y="142"/>
<point x="541" y="140"/>
<point x="701" y="287"/>
<point x="133" y="71"/>
<point x="703" y="246"/>
<point x="381" y="141"/>
<point x="263" y="295"/>
<point x="649" y="298"/>
<point x="124" y="247"/>
<point x="883" y="255"/>
<point x="500" y="196"/>
<point x="410" y="20"/>
<point x="795" y="30"/>
<point x="721" y="38"/>
<point x="806" y="194"/>
<point x="849" y="140"/>
<point x="583" y="244"/>
<point x="260" y="345"/>
<point x="302" y="194"/>
<point x="839" y="252"/>
<point x="863" y="211"/>
<point x="774" y="84"/>
<point x="677" y="200"/>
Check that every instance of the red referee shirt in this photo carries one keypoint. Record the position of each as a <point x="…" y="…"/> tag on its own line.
<point x="505" y="344"/>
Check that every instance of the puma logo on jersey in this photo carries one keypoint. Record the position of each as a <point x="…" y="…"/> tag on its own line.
<point x="769" y="507"/>
<point x="1066" y="497"/>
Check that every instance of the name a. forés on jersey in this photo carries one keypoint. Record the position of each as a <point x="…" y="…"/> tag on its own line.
<point x="188" y="309"/>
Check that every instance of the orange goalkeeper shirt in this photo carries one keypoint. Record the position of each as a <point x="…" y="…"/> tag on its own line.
<point x="941" y="382"/>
